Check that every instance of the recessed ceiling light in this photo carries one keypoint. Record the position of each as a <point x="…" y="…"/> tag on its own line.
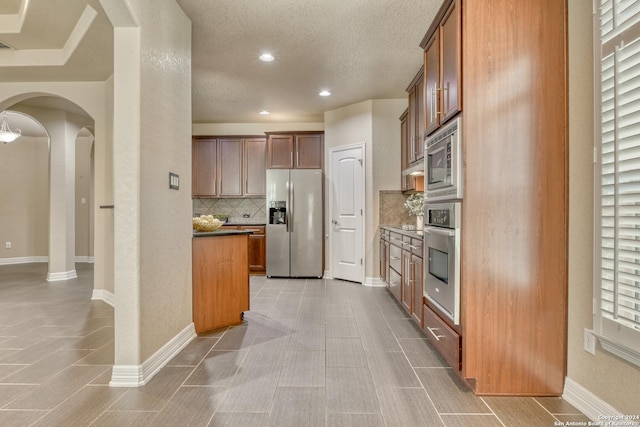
<point x="265" y="112"/>
<point x="325" y="93"/>
<point x="266" y="57"/>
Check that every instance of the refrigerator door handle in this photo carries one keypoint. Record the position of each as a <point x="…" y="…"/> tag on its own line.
<point x="287" y="219"/>
<point x="290" y="207"/>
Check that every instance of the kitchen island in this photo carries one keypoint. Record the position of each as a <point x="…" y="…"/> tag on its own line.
<point x="220" y="278"/>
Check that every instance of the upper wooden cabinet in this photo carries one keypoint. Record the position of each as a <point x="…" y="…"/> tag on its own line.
<point x="255" y="164"/>
<point x="415" y="119"/>
<point x="204" y="155"/>
<point x="295" y="150"/>
<point x="280" y="152"/>
<point x="228" y="166"/>
<point x="442" y="68"/>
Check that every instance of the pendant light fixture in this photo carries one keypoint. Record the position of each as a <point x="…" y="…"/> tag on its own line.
<point x="6" y="134"/>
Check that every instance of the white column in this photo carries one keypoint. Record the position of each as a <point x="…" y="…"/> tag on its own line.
<point x="62" y="251"/>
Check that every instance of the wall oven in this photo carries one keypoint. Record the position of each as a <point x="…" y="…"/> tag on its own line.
<point x="443" y="163"/>
<point x="442" y="257"/>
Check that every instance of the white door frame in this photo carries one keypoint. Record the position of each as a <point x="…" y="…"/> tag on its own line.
<point x="333" y="150"/>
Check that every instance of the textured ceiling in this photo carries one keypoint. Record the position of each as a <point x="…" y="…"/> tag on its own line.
<point x="357" y="49"/>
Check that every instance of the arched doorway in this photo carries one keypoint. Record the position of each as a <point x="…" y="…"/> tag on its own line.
<point x="49" y="212"/>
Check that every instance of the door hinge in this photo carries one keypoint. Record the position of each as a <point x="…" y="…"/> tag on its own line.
<point x="360" y="212"/>
<point x="360" y="261"/>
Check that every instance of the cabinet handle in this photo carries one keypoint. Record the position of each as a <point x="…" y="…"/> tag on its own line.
<point x="414" y="247"/>
<point x="291" y="158"/>
<point x="395" y="258"/>
<point x="437" y="337"/>
<point x="297" y="158"/>
<point x="255" y="230"/>
<point x="434" y="95"/>
<point x="445" y="98"/>
<point x="246" y="186"/>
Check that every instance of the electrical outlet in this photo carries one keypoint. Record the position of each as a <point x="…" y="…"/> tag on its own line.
<point x="7" y="245"/>
<point x="589" y="342"/>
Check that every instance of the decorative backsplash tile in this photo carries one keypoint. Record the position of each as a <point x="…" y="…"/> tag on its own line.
<point x="392" y="210"/>
<point x="235" y="209"/>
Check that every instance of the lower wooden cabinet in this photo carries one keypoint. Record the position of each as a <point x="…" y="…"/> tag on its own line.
<point x="257" y="247"/>
<point x="417" y="275"/>
<point x="443" y="338"/>
<point x="220" y="281"/>
<point x="401" y="268"/>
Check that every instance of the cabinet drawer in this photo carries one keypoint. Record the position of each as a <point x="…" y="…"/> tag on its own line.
<point x="395" y="284"/>
<point x="445" y="339"/>
<point x="416" y="247"/>
<point x="395" y="238"/>
<point x="395" y="258"/>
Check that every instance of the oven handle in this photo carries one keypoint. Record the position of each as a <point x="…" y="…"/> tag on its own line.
<point x="440" y="231"/>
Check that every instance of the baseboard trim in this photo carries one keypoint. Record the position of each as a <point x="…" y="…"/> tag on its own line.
<point x="586" y="402"/>
<point x="327" y="275"/>
<point x="87" y="259"/>
<point x="374" y="282"/>
<point x="64" y="275"/>
<point x="139" y="375"/>
<point x="104" y="296"/>
<point x="23" y="260"/>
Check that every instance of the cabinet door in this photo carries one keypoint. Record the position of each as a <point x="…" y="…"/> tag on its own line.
<point x="451" y="59"/>
<point x="255" y="164"/>
<point x="383" y="258"/>
<point x="257" y="249"/>
<point x="280" y="152"/>
<point x="431" y="81"/>
<point x="309" y="151"/>
<point x="418" y="291"/>
<point x="203" y="174"/>
<point x="407" y="181"/>
<point x="411" y="127"/>
<point x="418" y="146"/>
<point x="407" y="281"/>
<point x="230" y="167"/>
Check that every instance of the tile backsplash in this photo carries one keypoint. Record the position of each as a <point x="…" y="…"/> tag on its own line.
<point x="235" y="209"/>
<point x="392" y="209"/>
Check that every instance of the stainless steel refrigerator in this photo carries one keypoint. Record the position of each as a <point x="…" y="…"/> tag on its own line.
<point x="294" y="228"/>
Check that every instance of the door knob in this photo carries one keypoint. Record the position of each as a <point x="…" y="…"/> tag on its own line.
<point x="333" y="221"/>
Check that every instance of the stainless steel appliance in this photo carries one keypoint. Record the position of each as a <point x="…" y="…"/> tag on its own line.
<point x="443" y="163"/>
<point x="442" y="257"/>
<point x="294" y="230"/>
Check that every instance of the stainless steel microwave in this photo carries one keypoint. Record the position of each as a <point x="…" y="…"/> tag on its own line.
<point x="443" y="163"/>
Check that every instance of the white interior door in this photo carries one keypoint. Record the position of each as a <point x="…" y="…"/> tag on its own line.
<point x="347" y="213"/>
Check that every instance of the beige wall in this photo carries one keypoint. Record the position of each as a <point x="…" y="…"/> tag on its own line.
<point x="611" y="379"/>
<point x="83" y="229"/>
<point x="24" y="211"/>
<point x="376" y="124"/>
<point x="24" y="198"/>
<point x="152" y="137"/>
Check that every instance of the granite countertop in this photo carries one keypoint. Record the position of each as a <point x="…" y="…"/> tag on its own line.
<point x="398" y="229"/>
<point x="245" y="223"/>
<point x="220" y="232"/>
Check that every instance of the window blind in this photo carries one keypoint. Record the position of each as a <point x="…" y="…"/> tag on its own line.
<point x="618" y="285"/>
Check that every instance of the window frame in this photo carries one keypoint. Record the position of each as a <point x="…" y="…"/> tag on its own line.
<point x="614" y="336"/>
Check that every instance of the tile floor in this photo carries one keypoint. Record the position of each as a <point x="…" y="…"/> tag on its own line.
<point x="310" y="353"/>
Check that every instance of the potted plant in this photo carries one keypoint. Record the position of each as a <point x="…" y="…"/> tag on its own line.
<point x="415" y="205"/>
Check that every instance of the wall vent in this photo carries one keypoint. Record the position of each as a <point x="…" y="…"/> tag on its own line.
<point x="4" y="46"/>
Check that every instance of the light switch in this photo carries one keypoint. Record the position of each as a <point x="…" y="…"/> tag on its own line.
<point x="83" y="201"/>
<point x="174" y="181"/>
